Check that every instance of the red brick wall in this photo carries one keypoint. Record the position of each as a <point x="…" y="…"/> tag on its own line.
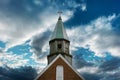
<point x="50" y="73"/>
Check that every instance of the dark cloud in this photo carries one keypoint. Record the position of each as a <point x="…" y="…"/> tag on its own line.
<point x="22" y="73"/>
<point x="101" y="76"/>
<point x="31" y="9"/>
<point x="23" y="10"/>
<point x="79" y="58"/>
<point x="108" y="67"/>
<point x="1" y="50"/>
<point x="88" y="76"/>
<point x="111" y="65"/>
<point x="107" y="71"/>
<point x="38" y="42"/>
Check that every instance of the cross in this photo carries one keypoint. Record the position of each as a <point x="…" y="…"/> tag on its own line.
<point x="59" y="12"/>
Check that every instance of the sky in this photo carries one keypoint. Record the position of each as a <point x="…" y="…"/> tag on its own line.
<point x="93" y="28"/>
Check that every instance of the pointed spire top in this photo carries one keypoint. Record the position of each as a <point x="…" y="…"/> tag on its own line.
<point x="59" y="31"/>
<point x="59" y="12"/>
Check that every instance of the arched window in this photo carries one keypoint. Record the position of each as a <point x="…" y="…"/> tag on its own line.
<point x="59" y="72"/>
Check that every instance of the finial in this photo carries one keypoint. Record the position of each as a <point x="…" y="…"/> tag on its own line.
<point x="59" y="12"/>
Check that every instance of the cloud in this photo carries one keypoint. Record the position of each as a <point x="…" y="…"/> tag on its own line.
<point x="91" y="76"/>
<point x="22" y="73"/>
<point x="111" y="65"/>
<point x="12" y="60"/>
<point x="93" y="10"/>
<point x="14" y="32"/>
<point x="83" y="7"/>
<point x="90" y="46"/>
<point x="91" y="70"/>
<point x="99" y="73"/>
<point x="90" y="73"/>
<point x="72" y="4"/>
<point x="98" y="36"/>
<point x="106" y="69"/>
<point x="95" y="41"/>
<point x="17" y="29"/>
<point x="82" y="58"/>
<point x="39" y="42"/>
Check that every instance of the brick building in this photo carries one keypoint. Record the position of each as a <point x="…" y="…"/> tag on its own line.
<point x="59" y="60"/>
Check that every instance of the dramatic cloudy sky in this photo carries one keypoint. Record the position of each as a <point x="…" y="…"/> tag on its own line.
<point x="93" y="27"/>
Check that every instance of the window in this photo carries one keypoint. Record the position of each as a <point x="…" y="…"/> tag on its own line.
<point x="59" y="72"/>
<point x="59" y="46"/>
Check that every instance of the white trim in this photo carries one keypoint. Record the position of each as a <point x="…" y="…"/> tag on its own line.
<point x="53" y="62"/>
<point x="59" y="72"/>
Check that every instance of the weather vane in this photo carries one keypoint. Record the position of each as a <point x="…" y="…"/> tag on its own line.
<point x="59" y="12"/>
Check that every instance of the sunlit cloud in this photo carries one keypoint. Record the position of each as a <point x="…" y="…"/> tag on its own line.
<point x="12" y="60"/>
<point x="98" y="36"/>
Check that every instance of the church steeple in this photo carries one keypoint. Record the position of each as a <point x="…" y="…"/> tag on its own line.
<point x="59" y="60"/>
<point x="59" y="43"/>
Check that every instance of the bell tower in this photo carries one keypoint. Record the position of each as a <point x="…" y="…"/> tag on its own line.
<point x="59" y="42"/>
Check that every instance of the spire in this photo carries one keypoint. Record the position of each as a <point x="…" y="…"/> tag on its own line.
<point x="59" y="31"/>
